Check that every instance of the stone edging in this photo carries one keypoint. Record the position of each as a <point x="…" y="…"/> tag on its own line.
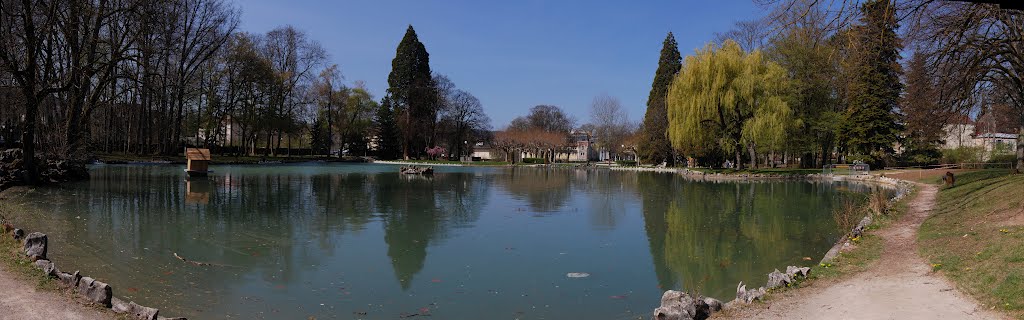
<point x="91" y="290"/>
<point x="676" y="305"/>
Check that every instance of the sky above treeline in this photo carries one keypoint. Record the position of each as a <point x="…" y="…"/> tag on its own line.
<point x="512" y="55"/>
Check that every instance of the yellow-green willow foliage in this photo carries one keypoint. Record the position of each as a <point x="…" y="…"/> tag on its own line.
<point x="728" y="99"/>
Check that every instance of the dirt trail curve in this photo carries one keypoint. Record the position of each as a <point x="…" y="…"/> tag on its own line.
<point x="899" y="286"/>
<point x="19" y="299"/>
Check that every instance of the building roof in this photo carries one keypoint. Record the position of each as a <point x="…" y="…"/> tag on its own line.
<point x="197" y="154"/>
<point x="998" y="136"/>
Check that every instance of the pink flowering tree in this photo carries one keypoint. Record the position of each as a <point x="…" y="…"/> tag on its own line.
<point x="434" y="152"/>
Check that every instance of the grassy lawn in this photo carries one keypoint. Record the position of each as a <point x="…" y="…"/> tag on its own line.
<point x="976" y="238"/>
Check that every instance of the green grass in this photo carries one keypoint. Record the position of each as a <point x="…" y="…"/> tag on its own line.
<point x="217" y="159"/>
<point x="976" y="238"/>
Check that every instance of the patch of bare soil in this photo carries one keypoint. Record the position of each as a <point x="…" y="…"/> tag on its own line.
<point x="20" y="299"/>
<point x="1011" y="218"/>
<point x="899" y="286"/>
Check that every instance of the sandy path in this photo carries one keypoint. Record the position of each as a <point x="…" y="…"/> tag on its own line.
<point x="19" y="299"/>
<point x="899" y="286"/>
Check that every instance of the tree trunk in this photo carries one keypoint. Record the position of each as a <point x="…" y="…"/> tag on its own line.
<point x="28" y="137"/>
<point x="753" y="156"/>
<point x="738" y="164"/>
<point x="1020" y="149"/>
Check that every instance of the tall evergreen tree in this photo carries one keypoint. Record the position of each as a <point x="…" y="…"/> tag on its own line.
<point x="319" y="135"/>
<point x="923" y="118"/>
<point x="872" y="125"/>
<point x="654" y="144"/>
<point x="389" y="144"/>
<point x="412" y="94"/>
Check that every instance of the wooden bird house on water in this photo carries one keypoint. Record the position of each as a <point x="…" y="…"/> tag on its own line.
<point x="198" y="162"/>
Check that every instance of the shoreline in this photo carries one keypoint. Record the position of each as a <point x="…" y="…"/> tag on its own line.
<point x="26" y="254"/>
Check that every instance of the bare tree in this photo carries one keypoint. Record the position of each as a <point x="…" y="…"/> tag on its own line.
<point x="26" y="44"/>
<point x="611" y="123"/>
<point x="751" y="34"/>
<point x="974" y="50"/>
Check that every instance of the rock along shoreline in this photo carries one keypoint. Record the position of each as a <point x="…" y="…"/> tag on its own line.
<point x="35" y="246"/>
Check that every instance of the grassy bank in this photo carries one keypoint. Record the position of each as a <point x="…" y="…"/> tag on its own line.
<point x="975" y="237"/>
<point x="20" y="268"/>
<point x="218" y="159"/>
<point x="769" y="171"/>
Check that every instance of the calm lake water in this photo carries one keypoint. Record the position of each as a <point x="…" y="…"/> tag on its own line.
<point x="361" y="241"/>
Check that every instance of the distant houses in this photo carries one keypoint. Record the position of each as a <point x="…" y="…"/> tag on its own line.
<point x="579" y="149"/>
<point x="986" y="134"/>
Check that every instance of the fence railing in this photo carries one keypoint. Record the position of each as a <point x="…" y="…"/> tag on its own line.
<point x="848" y="169"/>
<point x="964" y="165"/>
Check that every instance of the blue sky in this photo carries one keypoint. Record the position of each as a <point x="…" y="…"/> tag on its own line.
<point x="511" y="55"/>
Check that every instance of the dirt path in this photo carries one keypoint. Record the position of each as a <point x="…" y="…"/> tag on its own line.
<point x="19" y="299"/>
<point x="899" y="286"/>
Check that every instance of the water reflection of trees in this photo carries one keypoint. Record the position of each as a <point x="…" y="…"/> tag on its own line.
<point x="251" y="218"/>
<point x="544" y="190"/>
<point x="722" y="233"/>
<point x="420" y="211"/>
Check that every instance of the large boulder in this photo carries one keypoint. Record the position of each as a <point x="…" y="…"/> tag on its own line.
<point x="95" y="291"/>
<point x="35" y="245"/>
<point x="713" y="304"/>
<point x="795" y="272"/>
<point x="69" y="280"/>
<point x="778" y="279"/>
<point x="134" y="310"/>
<point x="676" y="305"/>
<point x="748" y="296"/>
<point x="47" y="266"/>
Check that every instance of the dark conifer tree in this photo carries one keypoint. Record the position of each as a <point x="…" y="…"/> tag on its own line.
<point x="412" y="94"/>
<point x="388" y="135"/>
<point x="872" y="125"/>
<point x="654" y="144"/>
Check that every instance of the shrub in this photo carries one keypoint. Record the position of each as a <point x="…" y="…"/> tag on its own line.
<point x="846" y="215"/>
<point x="879" y="203"/>
<point x="533" y="160"/>
<point x="1003" y="158"/>
<point x="963" y="155"/>
<point x="627" y="163"/>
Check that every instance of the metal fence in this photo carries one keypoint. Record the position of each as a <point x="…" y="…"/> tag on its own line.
<point x="847" y="169"/>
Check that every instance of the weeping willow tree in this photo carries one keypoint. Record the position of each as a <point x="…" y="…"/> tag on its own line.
<point x="729" y="100"/>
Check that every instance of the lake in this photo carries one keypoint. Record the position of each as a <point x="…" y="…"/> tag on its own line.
<point x="361" y="241"/>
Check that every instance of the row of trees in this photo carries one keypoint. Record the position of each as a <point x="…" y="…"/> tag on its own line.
<point x="140" y="61"/>
<point x="149" y="77"/>
<point x="549" y="133"/>
<point x="811" y="85"/>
